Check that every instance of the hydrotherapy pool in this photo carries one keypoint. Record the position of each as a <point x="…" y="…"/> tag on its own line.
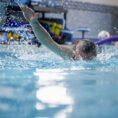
<point x="35" y="83"/>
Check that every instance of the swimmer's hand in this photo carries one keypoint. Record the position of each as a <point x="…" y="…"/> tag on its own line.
<point x="28" y="13"/>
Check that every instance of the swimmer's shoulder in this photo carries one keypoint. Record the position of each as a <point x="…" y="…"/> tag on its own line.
<point x="71" y="46"/>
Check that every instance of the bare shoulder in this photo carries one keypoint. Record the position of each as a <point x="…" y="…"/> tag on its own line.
<point x="71" y="47"/>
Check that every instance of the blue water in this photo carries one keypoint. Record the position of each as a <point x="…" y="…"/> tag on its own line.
<point x="35" y="83"/>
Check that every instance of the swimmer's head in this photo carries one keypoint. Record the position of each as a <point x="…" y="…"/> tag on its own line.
<point x="86" y="50"/>
<point x="103" y="34"/>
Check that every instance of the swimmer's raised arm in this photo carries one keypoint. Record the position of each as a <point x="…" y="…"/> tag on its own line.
<point x="43" y="35"/>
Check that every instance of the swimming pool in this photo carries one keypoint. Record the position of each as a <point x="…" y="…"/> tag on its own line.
<point x="35" y="83"/>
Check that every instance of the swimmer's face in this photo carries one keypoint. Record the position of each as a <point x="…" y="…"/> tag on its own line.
<point x="88" y="56"/>
<point x="84" y="56"/>
<point x="85" y="50"/>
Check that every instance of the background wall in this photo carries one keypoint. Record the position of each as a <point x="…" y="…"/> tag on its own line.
<point x="97" y="17"/>
<point x="94" y="20"/>
<point x="105" y="2"/>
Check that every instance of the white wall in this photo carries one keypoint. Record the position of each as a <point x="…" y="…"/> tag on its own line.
<point x="105" y="2"/>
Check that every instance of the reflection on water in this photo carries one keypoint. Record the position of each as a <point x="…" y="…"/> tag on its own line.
<point x="52" y="93"/>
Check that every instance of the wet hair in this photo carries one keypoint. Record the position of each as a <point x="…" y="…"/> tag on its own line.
<point x="88" y="48"/>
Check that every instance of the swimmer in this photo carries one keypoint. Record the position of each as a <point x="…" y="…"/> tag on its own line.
<point x="85" y="49"/>
<point x="103" y="34"/>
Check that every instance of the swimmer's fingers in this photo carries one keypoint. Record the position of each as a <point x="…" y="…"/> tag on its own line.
<point x="21" y="6"/>
<point x="27" y="12"/>
<point x="25" y="8"/>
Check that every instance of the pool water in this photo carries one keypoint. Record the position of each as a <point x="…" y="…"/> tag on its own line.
<point x="35" y="83"/>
